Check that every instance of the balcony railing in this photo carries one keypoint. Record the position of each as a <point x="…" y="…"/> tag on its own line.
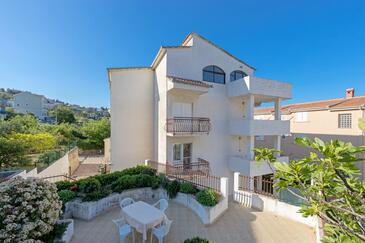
<point x="188" y="125"/>
<point x="197" y="173"/>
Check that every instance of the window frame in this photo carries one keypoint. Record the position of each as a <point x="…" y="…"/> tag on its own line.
<point x="344" y="124"/>
<point x="215" y="73"/>
<point x="235" y="75"/>
<point x="301" y="116"/>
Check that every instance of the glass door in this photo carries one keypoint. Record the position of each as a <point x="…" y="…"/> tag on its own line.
<point x="182" y="154"/>
<point x="187" y="147"/>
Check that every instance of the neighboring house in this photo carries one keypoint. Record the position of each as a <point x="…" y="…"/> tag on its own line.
<point x="196" y="101"/>
<point x="325" y="119"/>
<point x="26" y="102"/>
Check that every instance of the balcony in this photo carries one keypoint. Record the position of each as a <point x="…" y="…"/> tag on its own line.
<point x="179" y="86"/>
<point x="259" y="127"/>
<point x="187" y="126"/>
<point x="259" y="86"/>
<point x="251" y="167"/>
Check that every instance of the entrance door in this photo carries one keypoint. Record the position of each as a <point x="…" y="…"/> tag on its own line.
<point x="182" y="154"/>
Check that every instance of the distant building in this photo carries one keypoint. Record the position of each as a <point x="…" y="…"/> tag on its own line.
<point x="326" y="119"/>
<point x="26" y="102"/>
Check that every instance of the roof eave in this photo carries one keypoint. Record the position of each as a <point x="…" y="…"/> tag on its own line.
<point x="190" y="35"/>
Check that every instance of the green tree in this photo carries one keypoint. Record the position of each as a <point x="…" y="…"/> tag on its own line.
<point x="95" y="132"/>
<point x="12" y="153"/>
<point x="63" y="114"/>
<point x="329" y="183"/>
<point x="35" y="143"/>
<point x="19" y="124"/>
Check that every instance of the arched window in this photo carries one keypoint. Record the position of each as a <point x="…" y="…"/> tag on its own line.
<point x="235" y="75"/>
<point x="214" y="74"/>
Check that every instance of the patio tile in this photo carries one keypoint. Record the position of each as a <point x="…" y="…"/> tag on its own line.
<point x="239" y="224"/>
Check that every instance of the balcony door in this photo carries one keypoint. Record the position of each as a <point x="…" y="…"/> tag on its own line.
<point x="182" y="109"/>
<point x="182" y="154"/>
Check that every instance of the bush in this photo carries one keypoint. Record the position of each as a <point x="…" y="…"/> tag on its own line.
<point x="173" y="188"/>
<point x="124" y="183"/>
<point x="135" y="181"/>
<point x="29" y="209"/>
<point x="189" y="188"/>
<point x="66" y="196"/>
<point x="108" y="179"/>
<point x="207" y="197"/>
<point x="139" y="169"/>
<point x="56" y="233"/>
<point x="197" y="240"/>
<point x="164" y="181"/>
<point x="89" y="185"/>
<point x="64" y="185"/>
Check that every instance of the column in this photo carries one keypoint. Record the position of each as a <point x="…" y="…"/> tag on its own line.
<point x="278" y="109"/>
<point x="250" y="106"/>
<point x="251" y="146"/>
<point x="277" y="142"/>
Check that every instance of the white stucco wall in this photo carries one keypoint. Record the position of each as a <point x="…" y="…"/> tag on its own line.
<point x="128" y="106"/>
<point x="131" y="117"/>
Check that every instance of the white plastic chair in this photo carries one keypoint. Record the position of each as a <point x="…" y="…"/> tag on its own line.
<point x="126" y="201"/>
<point x="124" y="229"/>
<point x="161" y="231"/>
<point x="161" y="204"/>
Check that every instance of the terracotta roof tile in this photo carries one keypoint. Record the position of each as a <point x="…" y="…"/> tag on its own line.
<point x="341" y="103"/>
<point x="189" y="81"/>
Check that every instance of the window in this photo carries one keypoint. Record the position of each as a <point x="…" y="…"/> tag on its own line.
<point x="182" y="153"/>
<point x="235" y="75"/>
<point x="344" y="120"/>
<point x="214" y="74"/>
<point x="301" y="116"/>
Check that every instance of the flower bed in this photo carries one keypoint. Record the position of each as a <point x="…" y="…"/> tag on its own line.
<point x="68" y="233"/>
<point x="87" y="198"/>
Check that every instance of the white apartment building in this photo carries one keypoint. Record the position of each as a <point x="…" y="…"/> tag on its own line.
<point x="195" y="101"/>
<point x="26" y="102"/>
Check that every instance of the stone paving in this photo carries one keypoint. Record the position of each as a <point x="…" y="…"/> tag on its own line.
<point x="89" y="166"/>
<point x="238" y="224"/>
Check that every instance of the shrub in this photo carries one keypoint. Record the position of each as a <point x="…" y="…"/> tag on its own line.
<point x="139" y="169"/>
<point x="173" y="188"/>
<point x="89" y="185"/>
<point x="189" y="188"/>
<point x="64" y="185"/>
<point x="123" y="183"/>
<point x="56" y="233"/>
<point x="156" y="182"/>
<point x="108" y="179"/>
<point x="197" y="240"/>
<point x="207" y="197"/>
<point x="164" y="181"/>
<point x="29" y="209"/>
<point x="135" y="181"/>
<point x="66" y="196"/>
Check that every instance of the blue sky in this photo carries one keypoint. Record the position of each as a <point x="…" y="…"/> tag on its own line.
<point x="62" y="48"/>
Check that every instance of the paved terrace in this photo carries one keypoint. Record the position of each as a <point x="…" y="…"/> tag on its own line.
<point x="239" y="224"/>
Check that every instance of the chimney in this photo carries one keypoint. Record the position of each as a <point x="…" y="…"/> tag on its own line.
<point x="350" y="93"/>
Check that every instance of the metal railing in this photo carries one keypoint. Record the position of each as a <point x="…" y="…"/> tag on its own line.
<point x="257" y="185"/>
<point x="184" y="125"/>
<point x="196" y="173"/>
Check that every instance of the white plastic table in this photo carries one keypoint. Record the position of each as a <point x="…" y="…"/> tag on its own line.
<point x="142" y="216"/>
